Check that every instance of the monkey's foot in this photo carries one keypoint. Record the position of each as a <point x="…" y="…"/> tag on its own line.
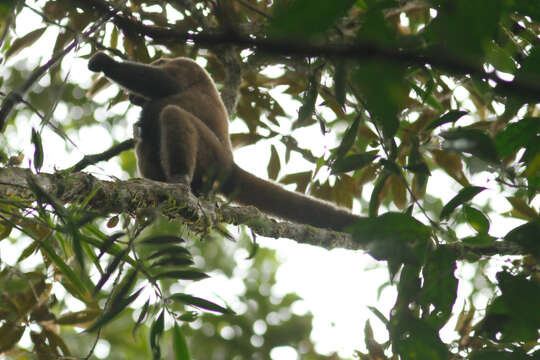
<point x="179" y="179"/>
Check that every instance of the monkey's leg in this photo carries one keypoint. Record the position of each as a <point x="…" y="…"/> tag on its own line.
<point x="148" y="161"/>
<point x="179" y="141"/>
<point x="149" y="81"/>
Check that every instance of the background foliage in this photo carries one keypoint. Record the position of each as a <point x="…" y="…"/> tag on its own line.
<point x="415" y="94"/>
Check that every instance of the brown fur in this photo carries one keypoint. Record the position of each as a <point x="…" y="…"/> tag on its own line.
<point x="184" y="137"/>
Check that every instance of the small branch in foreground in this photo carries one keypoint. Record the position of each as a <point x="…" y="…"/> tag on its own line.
<point x="16" y="96"/>
<point x="114" y="150"/>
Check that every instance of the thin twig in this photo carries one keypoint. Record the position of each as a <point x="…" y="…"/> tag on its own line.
<point x="30" y="106"/>
<point x="88" y="160"/>
<point x="254" y="9"/>
<point x="14" y="97"/>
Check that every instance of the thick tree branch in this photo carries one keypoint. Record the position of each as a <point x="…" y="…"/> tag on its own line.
<point x="173" y="200"/>
<point x="528" y="88"/>
<point x="177" y="202"/>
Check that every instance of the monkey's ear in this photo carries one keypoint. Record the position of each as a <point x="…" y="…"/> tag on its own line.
<point x="99" y="62"/>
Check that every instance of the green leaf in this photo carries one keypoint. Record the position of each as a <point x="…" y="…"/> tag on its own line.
<point x="498" y="355"/>
<point x="10" y="334"/>
<point x="188" y="316"/>
<point x="375" y="28"/>
<point x="29" y="250"/>
<point x="348" y="139"/>
<point x="6" y="7"/>
<point x="471" y="141"/>
<point x="253" y="250"/>
<point x="514" y="315"/>
<point x="142" y="317"/>
<point x="392" y="236"/>
<point x="38" y="150"/>
<point x="384" y="91"/>
<point x="481" y="240"/>
<point x="379" y="315"/>
<point x="500" y="58"/>
<point x="172" y="261"/>
<point x="427" y="95"/>
<point x="526" y="236"/>
<point x="522" y="134"/>
<point x="56" y="342"/>
<point x="417" y="337"/>
<point x="453" y="31"/>
<point x="161" y="240"/>
<point x="125" y="285"/>
<point x="526" y="8"/>
<point x="65" y="270"/>
<point x="464" y="195"/>
<point x="476" y="219"/>
<point x="308" y="103"/>
<point x="156" y="330"/>
<point x="78" y="317"/>
<point x="200" y="303"/>
<point x="418" y="166"/>
<point x="391" y="167"/>
<point x="65" y="215"/>
<point x="440" y="285"/>
<point x="182" y="274"/>
<point x="113" y="221"/>
<point x="305" y="18"/>
<point x="273" y="165"/>
<point x="176" y="251"/>
<point x="181" y="351"/>
<point x="301" y="180"/>
<point x="5" y="230"/>
<point x="110" y="269"/>
<point x="108" y="244"/>
<point x="528" y="73"/>
<point x="116" y="307"/>
<point x="451" y="116"/>
<point x="408" y="287"/>
<point x="24" y="42"/>
<point x="375" y="199"/>
<point x="353" y="162"/>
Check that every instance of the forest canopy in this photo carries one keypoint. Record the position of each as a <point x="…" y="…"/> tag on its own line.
<point x="422" y="117"/>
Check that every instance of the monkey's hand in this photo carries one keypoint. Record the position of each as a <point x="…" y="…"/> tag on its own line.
<point x="99" y="62"/>
<point x="137" y="99"/>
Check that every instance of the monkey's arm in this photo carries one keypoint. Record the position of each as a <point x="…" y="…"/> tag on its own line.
<point x="137" y="100"/>
<point x="146" y="80"/>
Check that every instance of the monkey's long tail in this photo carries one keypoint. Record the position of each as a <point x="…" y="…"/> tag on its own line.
<point x="275" y="200"/>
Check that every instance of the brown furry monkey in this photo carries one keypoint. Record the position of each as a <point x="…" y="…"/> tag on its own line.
<point x="184" y="137"/>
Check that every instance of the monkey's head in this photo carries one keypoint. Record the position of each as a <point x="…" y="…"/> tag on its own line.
<point x="185" y="71"/>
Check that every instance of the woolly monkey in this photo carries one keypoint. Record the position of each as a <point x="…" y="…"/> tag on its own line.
<point x="184" y="137"/>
